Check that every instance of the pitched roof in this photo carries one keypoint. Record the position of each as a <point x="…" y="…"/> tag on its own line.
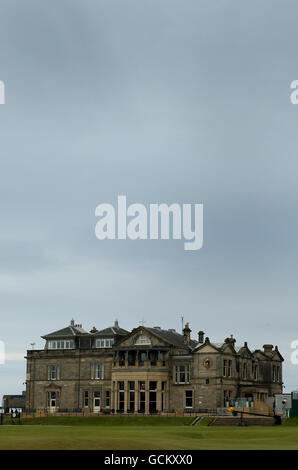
<point x="217" y="345"/>
<point x="172" y="337"/>
<point x="111" y="331"/>
<point x="69" y="331"/>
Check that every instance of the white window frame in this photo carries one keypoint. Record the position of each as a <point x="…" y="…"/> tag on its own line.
<point x="178" y="373"/>
<point x="61" y="344"/>
<point x="104" y="342"/>
<point x="97" y="371"/>
<point x="53" y="372"/>
<point x="192" y="396"/>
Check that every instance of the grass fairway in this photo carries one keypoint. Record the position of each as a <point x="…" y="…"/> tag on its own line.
<point x="143" y="433"/>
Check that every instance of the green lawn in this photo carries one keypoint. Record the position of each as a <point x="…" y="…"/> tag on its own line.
<point x="110" y="433"/>
<point x="105" y="421"/>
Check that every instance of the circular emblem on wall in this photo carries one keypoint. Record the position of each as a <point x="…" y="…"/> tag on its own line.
<point x="207" y="363"/>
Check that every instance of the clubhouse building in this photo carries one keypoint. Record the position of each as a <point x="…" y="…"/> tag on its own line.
<point x="147" y="370"/>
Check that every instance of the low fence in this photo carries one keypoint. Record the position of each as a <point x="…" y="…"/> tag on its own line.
<point x="89" y="413"/>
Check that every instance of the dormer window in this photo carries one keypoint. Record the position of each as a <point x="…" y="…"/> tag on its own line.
<point x="143" y="340"/>
<point x="104" y="343"/>
<point x="62" y="344"/>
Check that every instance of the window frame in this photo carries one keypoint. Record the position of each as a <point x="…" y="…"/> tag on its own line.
<point x="61" y="344"/>
<point x="186" y="398"/>
<point x="53" y="372"/>
<point x="178" y="373"/>
<point x="95" y="368"/>
<point x="102" y="343"/>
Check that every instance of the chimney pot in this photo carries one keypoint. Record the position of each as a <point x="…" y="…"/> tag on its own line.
<point x="186" y="333"/>
<point x="201" y="337"/>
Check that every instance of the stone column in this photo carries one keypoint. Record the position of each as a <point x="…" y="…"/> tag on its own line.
<point x="158" y="396"/>
<point x="147" y="397"/>
<point x="136" y="395"/>
<point x="112" y="396"/>
<point x="115" y="397"/>
<point x="125" y="396"/>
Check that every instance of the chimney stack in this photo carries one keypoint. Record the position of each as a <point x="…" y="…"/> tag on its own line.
<point x="201" y="337"/>
<point x="116" y="324"/>
<point x="230" y="340"/>
<point x="268" y="348"/>
<point x="186" y="333"/>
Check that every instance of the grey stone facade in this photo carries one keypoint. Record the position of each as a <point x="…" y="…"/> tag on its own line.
<point x="146" y="370"/>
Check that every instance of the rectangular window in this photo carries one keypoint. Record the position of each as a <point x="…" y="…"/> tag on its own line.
<point x="121" y="396"/>
<point x="108" y="398"/>
<point x="152" y="396"/>
<point x="104" y="343"/>
<point x="142" y="396"/>
<point x="121" y="358"/>
<point x="244" y="370"/>
<point x="161" y="357"/>
<point x="182" y="374"/>
<point x="131" y="358"/>
<point x="229" y="368"/>
<point x="188" y="398"/>
<point x="131" y="404"/>
<point x="153" y="358"/>
<point x="86" y="399"/>
<point x="53" y="372"/>
<point x="227" y="397"/>
<point x="143" y="357"/>
<point x="62" y="344"/>
<point x="98" y="371"/>
<point x="225" y="368"/>
<point x="255" y="372"/>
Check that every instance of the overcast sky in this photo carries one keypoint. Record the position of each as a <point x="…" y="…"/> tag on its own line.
<point x="162" y="101"/>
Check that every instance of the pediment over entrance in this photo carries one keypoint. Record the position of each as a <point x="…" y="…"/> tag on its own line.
<point x="142" y="340"/>
<point x="206" y="348"/>
<point x="142" y="337"/>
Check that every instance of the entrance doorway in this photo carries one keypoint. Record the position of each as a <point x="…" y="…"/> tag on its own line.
<point x="52" y="401"/>
<point x="96" y="402"/>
